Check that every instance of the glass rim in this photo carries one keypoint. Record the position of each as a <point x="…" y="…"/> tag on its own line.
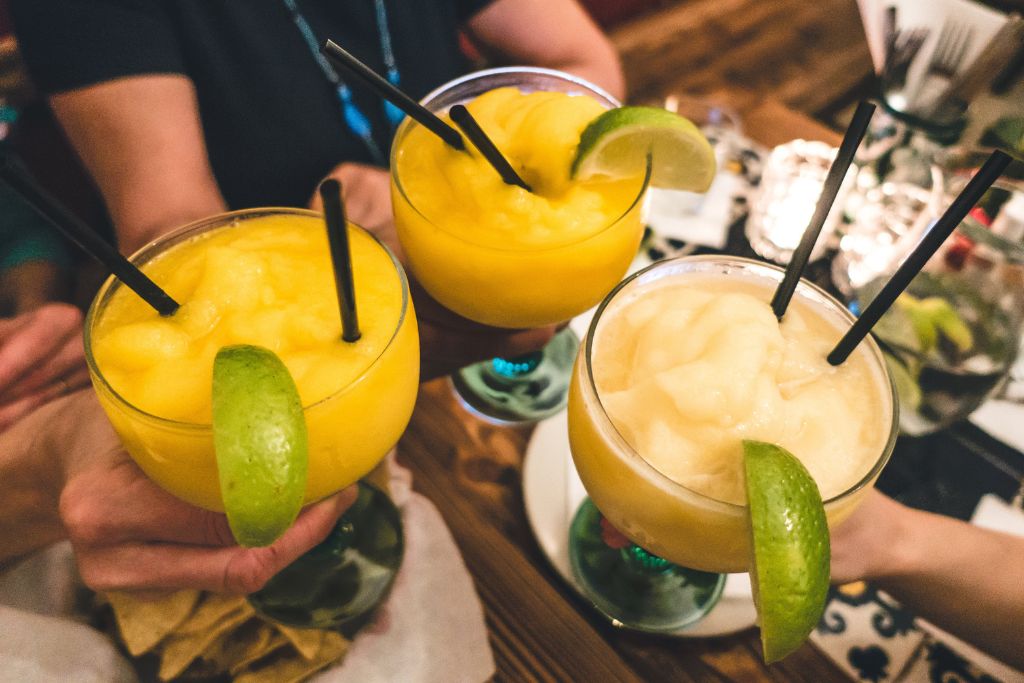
<point x="406" y="125"/>
<point x="164" y="243"/>
<point x="622" y="446"/>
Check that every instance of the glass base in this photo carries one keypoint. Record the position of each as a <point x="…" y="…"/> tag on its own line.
<point x="634" y="588"/>
<point x="340" y="582"/>
<point x="520" y="390"/>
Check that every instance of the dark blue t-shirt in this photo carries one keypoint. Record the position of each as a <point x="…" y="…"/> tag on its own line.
<point x="272" y="121"/>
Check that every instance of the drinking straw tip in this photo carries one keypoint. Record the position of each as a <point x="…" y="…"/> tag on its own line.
<point x="87" y="239"/>
<point x="916" y="260"/>
<point x="343" y="59"/>
<point x="830" y="189"/>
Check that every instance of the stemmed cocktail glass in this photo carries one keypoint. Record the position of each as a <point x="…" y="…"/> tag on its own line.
<point x="339" y="581"/>
<point x="654" y="563"/>
<point x="503" y="282"/>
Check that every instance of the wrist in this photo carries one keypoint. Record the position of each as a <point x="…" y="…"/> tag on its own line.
<point x="897" y="543"/>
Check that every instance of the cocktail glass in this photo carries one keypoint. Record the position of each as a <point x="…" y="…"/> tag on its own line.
<point x="511" y="286"/>
<point x="657" y="577"/>
<point x="953" y="336"/>
<point x="337" y="583"/>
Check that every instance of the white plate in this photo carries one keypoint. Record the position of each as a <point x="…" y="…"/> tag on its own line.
<point x="552" y="491"/>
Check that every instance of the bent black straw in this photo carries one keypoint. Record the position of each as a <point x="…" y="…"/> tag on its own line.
<point x="344" y="59"/>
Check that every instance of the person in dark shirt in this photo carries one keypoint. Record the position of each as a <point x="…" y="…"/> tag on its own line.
<point x="182" y="109"/>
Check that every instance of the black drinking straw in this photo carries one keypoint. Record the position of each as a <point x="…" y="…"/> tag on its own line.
<point x="833" y="181"/>
<point x="341" y="257"/>
<point x="86" y="238"/>
<point x="465" y="121"/>
<point x="928" y="245"/>
<point x="344" y="59"/>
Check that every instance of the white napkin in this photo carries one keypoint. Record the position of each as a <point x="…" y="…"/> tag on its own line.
<point x="430" y="630"/>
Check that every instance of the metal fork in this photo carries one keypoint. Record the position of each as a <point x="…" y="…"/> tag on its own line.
<point x="906" y="43"/>
<point x="950" y="49"/>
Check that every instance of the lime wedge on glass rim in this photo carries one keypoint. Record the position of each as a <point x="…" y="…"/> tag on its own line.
<point x="790" y="567"/>
<point x="616" y="144"/>
<point x="260" y="440"/>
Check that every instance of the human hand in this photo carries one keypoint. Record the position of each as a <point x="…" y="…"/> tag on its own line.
<point x="865" y="545"/>
<point x="130" y="534"/>
<point x="366" y="192"/>
<point x="41" y="358"/>
<point x="447" y="340"/>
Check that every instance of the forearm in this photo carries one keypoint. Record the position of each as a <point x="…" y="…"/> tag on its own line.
<point x="30" y="478"/>
<point x="966" y="580"/>
<point x="557" y="34"/>
<point x="142" y="140"/>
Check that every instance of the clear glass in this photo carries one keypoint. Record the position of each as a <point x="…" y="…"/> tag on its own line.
<point x="784" y="202"/>
<point x="655" y="512"/>
<point x="512" y="286"/>
<point x="952" y="338"/>
<point x="347" y="434"/>
<point x="679" y="219"/>
<point x="887" y="220"/>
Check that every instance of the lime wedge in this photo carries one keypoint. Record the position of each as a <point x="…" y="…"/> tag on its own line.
<point x="790" y="568"/>
<point x="259" y="435"/>
<point x="617" y="142"/>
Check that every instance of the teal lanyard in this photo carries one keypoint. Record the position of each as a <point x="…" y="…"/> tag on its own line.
<point x="355" y="119"/>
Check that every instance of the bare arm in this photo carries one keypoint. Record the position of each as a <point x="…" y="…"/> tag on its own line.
<point x="964" y="579"/>
<point x="142" y="140"/>
<point x="557" y="34"/>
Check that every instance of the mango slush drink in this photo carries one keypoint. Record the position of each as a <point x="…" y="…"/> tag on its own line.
<point x="260" y="277"/>
<point x="495" y="253"/>
<point x="683" y="362"/>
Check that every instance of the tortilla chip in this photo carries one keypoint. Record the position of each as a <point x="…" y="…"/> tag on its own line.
<point x="211" y="609"/>
<point x="255" y="638"/>
<point x="285" y="667"/>
<point x="143" y="623"/>
<point x="307" y="641"/>
<point x="274" y="644"/>
<point x="215" y="617"/>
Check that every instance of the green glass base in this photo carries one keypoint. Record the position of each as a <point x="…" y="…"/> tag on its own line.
<point x="520" y="390"/>
<point x="634" y="588"/>
<point x="340" y="582"/>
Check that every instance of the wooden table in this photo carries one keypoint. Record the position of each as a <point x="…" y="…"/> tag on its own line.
<point x="539" y="629"/>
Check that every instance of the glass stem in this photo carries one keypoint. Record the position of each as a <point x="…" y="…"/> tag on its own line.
<point x="517" y="366"/>
<point x="641" y="561"/>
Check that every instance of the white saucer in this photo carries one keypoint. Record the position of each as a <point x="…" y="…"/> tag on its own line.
<point x="552" y="491"/>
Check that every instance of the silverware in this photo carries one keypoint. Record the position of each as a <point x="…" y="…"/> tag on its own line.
<point x="963" y="87"/>
<point x="906" y="43"/>
<point x="950" y="49"/>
